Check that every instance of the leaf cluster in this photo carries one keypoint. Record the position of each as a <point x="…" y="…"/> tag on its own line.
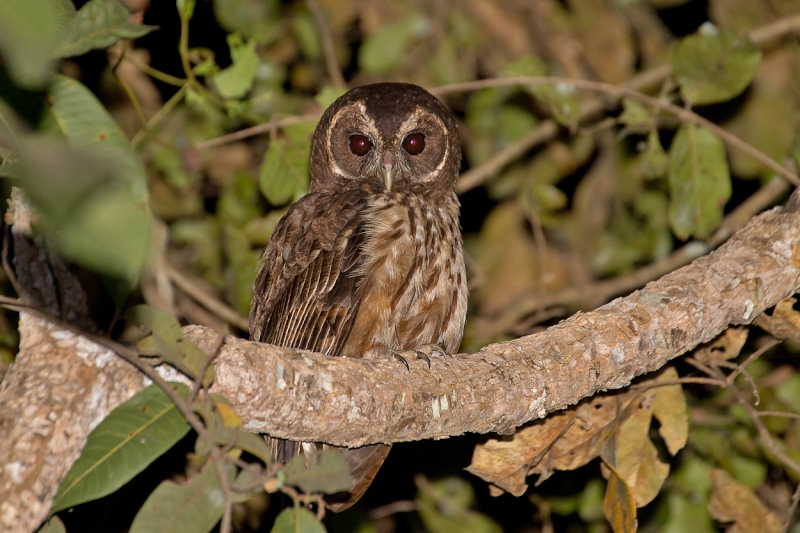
<point x="573" y="192"/>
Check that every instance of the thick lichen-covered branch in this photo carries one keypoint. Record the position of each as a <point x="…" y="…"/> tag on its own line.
<point x="63" y="384"/>
<point x="352" y="402"/>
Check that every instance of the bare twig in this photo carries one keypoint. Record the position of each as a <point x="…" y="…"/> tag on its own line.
<point x="686" y="115"/>
<point x="218" y="460"/>
<point x="787" y="523"/>
<point x="219" y="308"/>
<point x="328" y="48"/>
<point x="680" y="381"/>
<point x="763" y="432"/>
<point x="256" y="130"/>
<point x="401" y="506"/>
<point x="645" y="81"/>
<point x="750" y="358"/>
<point x="604" y="289"/>
<point x="783" y="414"/>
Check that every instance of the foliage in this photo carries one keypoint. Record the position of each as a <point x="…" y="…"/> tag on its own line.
<point x="565" y="186"/>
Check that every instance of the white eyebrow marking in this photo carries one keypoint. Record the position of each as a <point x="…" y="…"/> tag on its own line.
<point x="369" y="126"/>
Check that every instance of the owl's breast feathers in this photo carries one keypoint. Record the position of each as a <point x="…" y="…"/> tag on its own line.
<point x="350" y="272"/>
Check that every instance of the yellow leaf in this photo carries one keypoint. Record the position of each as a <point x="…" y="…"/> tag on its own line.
<point x="732" y="501"/>
<point x="669" y="407"/>
<point x="618" y="504"/>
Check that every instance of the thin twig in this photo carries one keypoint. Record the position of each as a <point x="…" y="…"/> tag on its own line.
<point x="787" y="523"/>
<point x="401" y="506"/>
<point x="218" y="460"/>
<point x="680" y="381"/>
<point x="647" y="80"/>
<point x="328" y="49"/>
<point x="763" y="432"/>
<point x="779" y="413"/>
<point x="155" y="119"/>
<point x="686" y="115"/>
<point x="198" y="381"/>
<point x="216" y="306"/>
<point x="750" y="358"/>
<point x="256" y="130"/>
<point x="604" y="289"/>
<point x="154" y="73"/>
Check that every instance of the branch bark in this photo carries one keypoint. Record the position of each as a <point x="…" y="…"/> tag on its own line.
<point x="62" y="384"/>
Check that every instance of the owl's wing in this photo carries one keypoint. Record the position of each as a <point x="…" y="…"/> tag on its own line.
<point x="305" y="294"/>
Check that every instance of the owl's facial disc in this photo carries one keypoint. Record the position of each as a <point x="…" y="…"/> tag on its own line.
<point x="389" y="137"/>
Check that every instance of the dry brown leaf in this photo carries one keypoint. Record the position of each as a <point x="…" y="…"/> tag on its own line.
<point x="596" y="421"/>
<point x="605" y="37"/>
<point x="725" y="347"/>
<point x="784" y="322"/>
<point x="618" y="503"/>
<point x="505" y="461"/>
<point x="732" y="501"/>
<point x="669" y="407"/>
<point x="636" y="456"/>
<point x="507" y="255"/>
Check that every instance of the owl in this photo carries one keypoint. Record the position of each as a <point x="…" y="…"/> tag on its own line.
<point x="369" y="263"/>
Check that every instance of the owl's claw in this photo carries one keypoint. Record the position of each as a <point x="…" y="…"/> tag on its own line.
<point x="435" y="348"/>
<point x="398" y="356"/>
<point x="424" y="357"/>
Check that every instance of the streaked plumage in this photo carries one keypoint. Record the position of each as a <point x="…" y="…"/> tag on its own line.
<point x="370" y="260"/>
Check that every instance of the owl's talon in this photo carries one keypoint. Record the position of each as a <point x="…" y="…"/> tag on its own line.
<point x="424" y="357"/>
<point x="396" y="355"/>
<point x="436" y="348"/>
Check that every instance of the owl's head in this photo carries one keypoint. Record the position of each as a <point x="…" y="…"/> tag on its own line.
<point x="394" y="136"/>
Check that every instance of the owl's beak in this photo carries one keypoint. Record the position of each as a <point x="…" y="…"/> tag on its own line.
<point x="388" y="170"/>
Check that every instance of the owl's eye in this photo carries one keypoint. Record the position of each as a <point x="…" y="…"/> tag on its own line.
<point x="360" y="145"/>
<point x="414" y="143"/>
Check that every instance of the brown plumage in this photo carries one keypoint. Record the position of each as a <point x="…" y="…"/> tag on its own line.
<point x="369" y="263"/>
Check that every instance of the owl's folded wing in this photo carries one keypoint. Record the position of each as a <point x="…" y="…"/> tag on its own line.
<point x="308" y="276"/>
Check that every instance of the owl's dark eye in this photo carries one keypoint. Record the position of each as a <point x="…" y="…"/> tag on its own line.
<point x="360" y="145"/>
<point x="414" y="143"/>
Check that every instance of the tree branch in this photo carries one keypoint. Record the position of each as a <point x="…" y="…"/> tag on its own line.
<point x="62" y="384"/>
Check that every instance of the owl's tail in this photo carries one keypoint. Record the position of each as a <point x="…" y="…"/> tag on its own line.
<point x="363" y="462"/>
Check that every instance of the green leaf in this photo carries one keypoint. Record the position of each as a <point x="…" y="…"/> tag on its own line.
<point x="284" y="172"/>
<point x="328" y="95"/>
<point x="699" y="182"/>
<point x="131" y="437"/>
<point x="714" y="66"/>
<point x="168" y="342"/>
<point x="98" y="24"/>
<point x="327" y="472"/>
<point x="242" y="261"/>
<point x="194" y="507"/>
<point x="306" y="35"/>
<point x="253" y="19"/>
<point x="444" y="507"/>
<point x="83" y="120"/>
<point x="560" y="99"/>
<point x="28" y="34"/>
<point x="237" y="80"/>
<point x="107" y="232"/>
<point x="297" y="520"/>
<point x="635" y="114"/>
<point x="654" y="159"/>
<point x="54" y="525"/>
<point x="387" y="48"/>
